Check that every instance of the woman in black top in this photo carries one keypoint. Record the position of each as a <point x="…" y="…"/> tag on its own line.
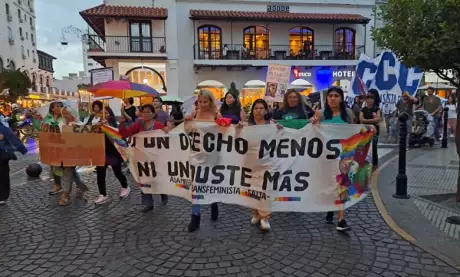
<point x="113" y="159"/>
<point x="293" y="108"/>
<point x="128" y="111"/>
<point x="177" y="117"/>
<point x="370" y="115"/>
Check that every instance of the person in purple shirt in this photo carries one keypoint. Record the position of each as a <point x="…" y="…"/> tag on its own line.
<point x="161" y="116"/>
<point x="231" y="108"/>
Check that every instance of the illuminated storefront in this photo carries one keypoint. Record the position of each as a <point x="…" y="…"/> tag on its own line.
<point x="34" y="100"/>
<point x="323" y="77"/>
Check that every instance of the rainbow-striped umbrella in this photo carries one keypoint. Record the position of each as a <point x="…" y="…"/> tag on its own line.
<point x="122" y="89"/>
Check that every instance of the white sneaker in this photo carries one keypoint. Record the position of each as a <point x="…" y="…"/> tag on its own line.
<point x="101" y="200"/>
<point x="2" y="203"/>
<point x="264" y="224"/>
<point x="124" y="192"/>
<point x="255" y="220"/>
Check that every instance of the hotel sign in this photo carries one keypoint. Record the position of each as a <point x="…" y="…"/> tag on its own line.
<point x="277" y="8"/>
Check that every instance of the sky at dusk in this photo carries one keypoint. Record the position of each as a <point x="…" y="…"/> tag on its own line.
<point x="52" y="17"/>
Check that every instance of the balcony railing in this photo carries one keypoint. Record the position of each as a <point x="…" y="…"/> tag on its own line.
<point x="279" y="52"/>
<point x="127" y="44"/>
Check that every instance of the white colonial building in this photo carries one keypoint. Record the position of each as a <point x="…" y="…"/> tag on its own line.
<point x="179" y="45"/>
<point x="18" y="39"/>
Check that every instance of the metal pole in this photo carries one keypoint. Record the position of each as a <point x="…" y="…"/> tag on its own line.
<point x="444" y="131"/>
<point x="401" y="178"/>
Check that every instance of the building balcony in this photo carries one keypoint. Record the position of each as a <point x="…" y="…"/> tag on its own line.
<point x="126" y="46"/>
<point x="282" y="54"/>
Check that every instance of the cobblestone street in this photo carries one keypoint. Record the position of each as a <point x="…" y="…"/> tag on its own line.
<point x="39" y="238"/>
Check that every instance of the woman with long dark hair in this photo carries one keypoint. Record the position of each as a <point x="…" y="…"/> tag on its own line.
<point x="335" y="111"/>
<point x="259" y="116"/>
<point x="231" y="108"/>
<point x="293" y="107"/>
<point x="112" y="159"/>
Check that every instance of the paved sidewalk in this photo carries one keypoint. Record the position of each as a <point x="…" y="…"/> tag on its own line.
<point x="39" y="238"/>
<point x="432" y="183"/>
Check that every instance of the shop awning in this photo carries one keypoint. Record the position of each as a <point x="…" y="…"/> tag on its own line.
<point x="95" y="16"/>
<point x="278" y="16"/>
<point x="254" y="84"/>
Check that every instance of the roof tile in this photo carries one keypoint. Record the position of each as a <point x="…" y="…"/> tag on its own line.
<point x="281" y="16"/>
<point x="126" y="11"/>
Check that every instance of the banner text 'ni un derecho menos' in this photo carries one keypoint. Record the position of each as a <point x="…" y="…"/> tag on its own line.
<point x="314" y="169"/>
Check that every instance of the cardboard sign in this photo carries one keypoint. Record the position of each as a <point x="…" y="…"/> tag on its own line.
<point x="72" y="149"/>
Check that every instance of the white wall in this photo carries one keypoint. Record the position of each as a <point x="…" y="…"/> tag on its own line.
<point x="279" y="34"/>
<point x="13" y="52"/>
<point x="70" y="84"/>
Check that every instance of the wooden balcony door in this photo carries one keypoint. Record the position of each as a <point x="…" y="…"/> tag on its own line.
<point x="140" y="36"/>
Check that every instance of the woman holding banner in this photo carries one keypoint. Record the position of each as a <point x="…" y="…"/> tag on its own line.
<point x="113" y="159"/>
<point x="335" y="111"/>
<point x="293" y="108"/>
<point x="147" y="122"/>
<point x="231" y="108"/>
<point x="207" y="110"/>
<point x="260" y="116"/>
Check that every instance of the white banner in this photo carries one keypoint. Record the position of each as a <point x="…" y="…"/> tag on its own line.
<point x="277" y="82"/>
<point x="314" y="169"/>
<point x="386" y="74"/>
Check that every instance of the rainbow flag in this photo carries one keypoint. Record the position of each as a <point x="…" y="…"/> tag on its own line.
<point x="113" y="134"/>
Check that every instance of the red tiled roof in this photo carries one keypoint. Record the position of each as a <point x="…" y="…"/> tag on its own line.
<point x="126" y="11"/>
<point x="277" y="16"/>
<point x="95" y="16"/>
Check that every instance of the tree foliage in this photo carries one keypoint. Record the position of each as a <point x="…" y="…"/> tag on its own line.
<point x="17" y="82"/>
<point x="426" y="34"/>
<point x="422" y="33"/>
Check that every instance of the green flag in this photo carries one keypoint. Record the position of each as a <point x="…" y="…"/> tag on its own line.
<point x="293" y="123"/>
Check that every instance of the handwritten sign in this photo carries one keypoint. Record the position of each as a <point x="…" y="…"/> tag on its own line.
<point x="72" y="149"/>
<point x="277" y="82"/>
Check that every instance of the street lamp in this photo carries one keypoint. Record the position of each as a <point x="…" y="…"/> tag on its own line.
<point x="71" y="30"/>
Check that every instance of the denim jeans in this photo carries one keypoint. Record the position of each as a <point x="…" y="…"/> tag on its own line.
<point x="437" y="126"/>
<point x="196" y="209"/>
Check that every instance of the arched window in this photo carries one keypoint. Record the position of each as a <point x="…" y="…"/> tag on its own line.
<point x="257" y="40"/>
<point x="22" y="51"/>
<point x="209" y="42"/>
<point x="7" y="9"/>
<point x="34" y="79"/>
<point x="1" y="65"/>
<point x="48" y="82"/>
<point x="40" y="79"/>
<point x="12" y="66"/>
<point x="345" y="43"/>
<point x="10" y="33"/>
<point x="301" y="41"/>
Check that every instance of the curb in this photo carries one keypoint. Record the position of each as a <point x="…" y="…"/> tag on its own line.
<point x="395" y="227"/>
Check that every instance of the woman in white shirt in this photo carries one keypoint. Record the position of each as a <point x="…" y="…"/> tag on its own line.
<point x="451" y="115"/>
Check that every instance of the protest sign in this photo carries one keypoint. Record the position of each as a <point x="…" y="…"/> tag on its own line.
<point x="72" y="148"/>
<point x="277" y="82"/>
<point x="314" y="169"/>
<point x="386" y="74"/>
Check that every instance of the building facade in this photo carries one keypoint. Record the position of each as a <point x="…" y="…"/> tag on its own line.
<point x="18" y="39"/>
<point x="179" y="46"/>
